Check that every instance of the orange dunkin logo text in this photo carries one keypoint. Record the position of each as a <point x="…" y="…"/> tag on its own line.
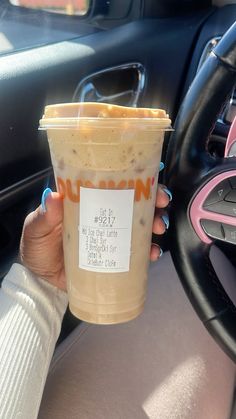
<point x="71" y="190"/>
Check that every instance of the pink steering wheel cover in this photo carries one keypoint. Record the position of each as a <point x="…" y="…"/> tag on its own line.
<point x="197" y="212"/>
<point x="231" y="138"/>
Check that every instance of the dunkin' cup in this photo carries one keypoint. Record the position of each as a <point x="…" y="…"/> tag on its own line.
<point x="106" y="162"/>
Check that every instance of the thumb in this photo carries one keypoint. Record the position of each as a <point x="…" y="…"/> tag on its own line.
<point x="46" y="217"/>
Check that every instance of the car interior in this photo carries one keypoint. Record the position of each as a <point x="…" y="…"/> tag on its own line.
<point x="146" y="53"/>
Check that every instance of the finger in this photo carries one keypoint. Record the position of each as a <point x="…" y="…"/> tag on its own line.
<point x="159" y="226"/>
<point x="156" y="252"/>
<point x="40" y="223"/>
<point x="54" y="209"/>
<point x="163" y="197"/>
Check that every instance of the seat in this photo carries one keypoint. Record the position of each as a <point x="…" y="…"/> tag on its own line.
<point x="163" y="365"/>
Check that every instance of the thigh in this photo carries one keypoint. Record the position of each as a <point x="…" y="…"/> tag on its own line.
<point x="161" y="365"/>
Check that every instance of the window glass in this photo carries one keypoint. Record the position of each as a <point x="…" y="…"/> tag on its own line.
<point x="69" y="7"/>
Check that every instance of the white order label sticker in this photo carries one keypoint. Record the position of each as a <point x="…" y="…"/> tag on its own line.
<point x="105" y="229"/>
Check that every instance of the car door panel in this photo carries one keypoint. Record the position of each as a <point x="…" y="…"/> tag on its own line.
<point x="31" y="79"/>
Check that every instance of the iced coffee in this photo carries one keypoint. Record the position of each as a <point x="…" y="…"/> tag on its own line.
<point x="106" y="161"/>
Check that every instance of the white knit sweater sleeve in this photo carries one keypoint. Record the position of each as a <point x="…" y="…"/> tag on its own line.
<point x="31" y="311"/>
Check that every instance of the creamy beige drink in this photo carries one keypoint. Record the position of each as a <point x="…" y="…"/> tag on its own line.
<point x="106" y="160"/>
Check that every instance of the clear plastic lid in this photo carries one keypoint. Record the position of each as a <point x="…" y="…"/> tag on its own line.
<point x="74" y="115"/>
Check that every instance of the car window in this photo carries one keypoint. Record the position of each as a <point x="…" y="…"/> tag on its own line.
<point x="221" y="3"/>
<point x="33" y="23"/>
<point x="23" y="27"/>
<point x="69" y="7"/>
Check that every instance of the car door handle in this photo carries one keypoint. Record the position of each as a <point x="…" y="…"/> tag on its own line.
<point x="121" y="85"/>
<point x="89" y="93"/>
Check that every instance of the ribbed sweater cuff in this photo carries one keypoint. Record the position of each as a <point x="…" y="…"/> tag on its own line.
<point x="31" y="311"/>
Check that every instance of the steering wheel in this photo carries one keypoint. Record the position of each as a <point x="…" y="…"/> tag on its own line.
<point x="204" y="192"/>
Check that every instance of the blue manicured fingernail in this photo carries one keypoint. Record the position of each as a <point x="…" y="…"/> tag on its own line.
<point x="161" y="167"/>
<point x="165" y="218"/>
<point x="161" y="252"/>
<point x="168" y="192"/>
<point x="46" y="192"/>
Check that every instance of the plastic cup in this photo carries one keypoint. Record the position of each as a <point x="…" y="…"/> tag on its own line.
<point x="106" y="163"/>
